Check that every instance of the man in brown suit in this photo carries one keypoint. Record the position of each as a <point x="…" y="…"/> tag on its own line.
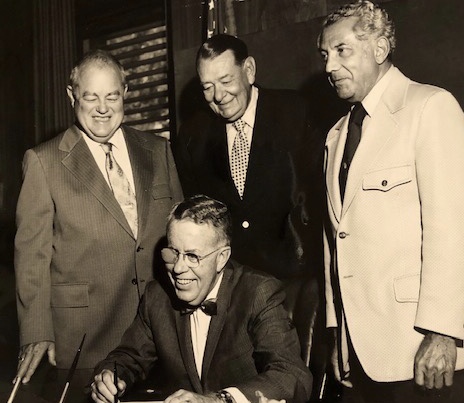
<point x="81" y="262"/>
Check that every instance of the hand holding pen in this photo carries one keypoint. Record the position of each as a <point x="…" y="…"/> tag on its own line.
<point x="106" y="386"/>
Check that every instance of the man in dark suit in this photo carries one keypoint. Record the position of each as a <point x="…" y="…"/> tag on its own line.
<point x="263" y="185"/>
<point x="217" y="330"/>
<point x="85" y="241"/>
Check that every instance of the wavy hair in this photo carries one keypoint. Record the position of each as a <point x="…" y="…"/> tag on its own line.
<point x="373" y="21"/>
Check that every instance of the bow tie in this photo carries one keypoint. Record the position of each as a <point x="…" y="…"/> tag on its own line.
<point x="209" y="307"/>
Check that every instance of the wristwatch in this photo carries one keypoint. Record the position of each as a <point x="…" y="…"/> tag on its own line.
<point x="225" y="396"/>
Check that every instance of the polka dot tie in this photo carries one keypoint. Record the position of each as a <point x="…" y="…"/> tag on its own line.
<point x="121" y="188"/>
<point x="239" y="157"/>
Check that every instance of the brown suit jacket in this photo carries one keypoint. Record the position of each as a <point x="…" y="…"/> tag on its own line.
<point x="78" y="268"/>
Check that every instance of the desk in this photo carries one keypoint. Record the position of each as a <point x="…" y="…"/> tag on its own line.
<point x="47" y="383"/>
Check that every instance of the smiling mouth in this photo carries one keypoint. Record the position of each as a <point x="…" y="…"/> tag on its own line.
<point x="338" y="79"/>
<point x="180" y="281"/>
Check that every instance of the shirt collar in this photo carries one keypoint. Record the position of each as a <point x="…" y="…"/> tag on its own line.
<point x="117" y="140"/>
<point x="250" y="113"/>
<point x="372" y="99"/>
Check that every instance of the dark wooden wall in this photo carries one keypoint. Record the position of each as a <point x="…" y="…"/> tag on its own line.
<point x="16" y="110"/>
<point x="429" y="34"/>
<point x="429" y="50"/>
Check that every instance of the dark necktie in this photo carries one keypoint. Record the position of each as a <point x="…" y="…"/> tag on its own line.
<point x="121" y="188"/>
<point x="352" y="141"/>
<point x="209" y="307"/>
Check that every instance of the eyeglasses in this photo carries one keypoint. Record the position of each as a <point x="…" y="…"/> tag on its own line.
<point x="171" y="256"/>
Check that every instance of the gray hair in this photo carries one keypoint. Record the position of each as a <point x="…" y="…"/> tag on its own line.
<point x="99" y="58"/>
<point x="204" y="210"/>
<point x="373" y="21"/>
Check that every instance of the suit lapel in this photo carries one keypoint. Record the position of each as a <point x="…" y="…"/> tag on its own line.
<point x="373" y="140"/>
<point x="260" y="153"/>
<point x="80" y="162"/>
<point x="185" y="344"/>
<point x="142" y="170"/>
<point x="218" y="321"/>
<point x="335" y="145"/>
<point x="382" y="127"/>
<point x="220" y="152"/>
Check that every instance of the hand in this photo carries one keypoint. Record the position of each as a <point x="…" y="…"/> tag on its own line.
<point x="264" y="399"/>
<point x="30" y="356"/>
<point x="186" y="396"/>
<point x="103" y="389"/>
<point x="435" y="361"/>
<point x="334" y="362"/>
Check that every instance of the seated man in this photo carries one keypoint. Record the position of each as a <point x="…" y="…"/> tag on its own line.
<point x="243" y="348"/>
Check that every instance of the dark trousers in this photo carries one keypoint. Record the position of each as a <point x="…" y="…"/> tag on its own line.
<point x="365" y="390"/>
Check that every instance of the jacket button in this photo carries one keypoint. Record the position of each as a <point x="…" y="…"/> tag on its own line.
<point x="134" y="281"/>
<point x="139" y="249"/>
<point x="384" y="182"/>
<point x="245" y="224"/>
<point x="342" y="235"/>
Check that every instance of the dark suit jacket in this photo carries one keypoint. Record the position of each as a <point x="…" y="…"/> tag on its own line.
<point x="78" y="268"/>
<point x="251" y="343"/>
<point x="277" y="186"/>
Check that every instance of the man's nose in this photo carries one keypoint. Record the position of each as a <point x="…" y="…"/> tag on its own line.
<point x="331" y="64"/>
<point x="102" y="107"/>
<point x="180" y="266"/>
<point x="218" y="94"/>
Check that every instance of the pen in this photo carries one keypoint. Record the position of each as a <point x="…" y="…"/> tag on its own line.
<point x="115" y="375"/>
<point x="71" y="371"/>
<point x="15" y="389"/>
<point x="322" y="391"/>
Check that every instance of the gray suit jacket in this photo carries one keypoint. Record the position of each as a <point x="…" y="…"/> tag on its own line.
<point x="78" y="268"/>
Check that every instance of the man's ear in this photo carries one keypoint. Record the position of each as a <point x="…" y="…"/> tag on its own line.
<point x="126" y="87"/>
<point x="382" y="49"/>
<point x="70" y="92"/>
<point x="249" y="66"/>
<point x="222" y="258"/>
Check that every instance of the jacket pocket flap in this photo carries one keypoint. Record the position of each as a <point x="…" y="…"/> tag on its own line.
<point x="70" y="295"/>
<point x="387" y="179"/>
<point x="407" y="288"/>
<point x="161" y="191"/>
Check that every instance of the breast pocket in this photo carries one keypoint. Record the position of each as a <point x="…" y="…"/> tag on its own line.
<point x="387" y="179"/>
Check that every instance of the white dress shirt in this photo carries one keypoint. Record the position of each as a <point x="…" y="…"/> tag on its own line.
<point x="249" y="119"/>
<point x="121" y="155"/>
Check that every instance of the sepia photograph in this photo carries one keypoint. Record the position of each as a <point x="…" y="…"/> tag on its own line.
<point x="232" y="201"/>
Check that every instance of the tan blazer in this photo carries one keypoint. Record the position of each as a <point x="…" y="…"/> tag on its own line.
<point x="398" y="241"/>
<point x="78" y="267"/>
